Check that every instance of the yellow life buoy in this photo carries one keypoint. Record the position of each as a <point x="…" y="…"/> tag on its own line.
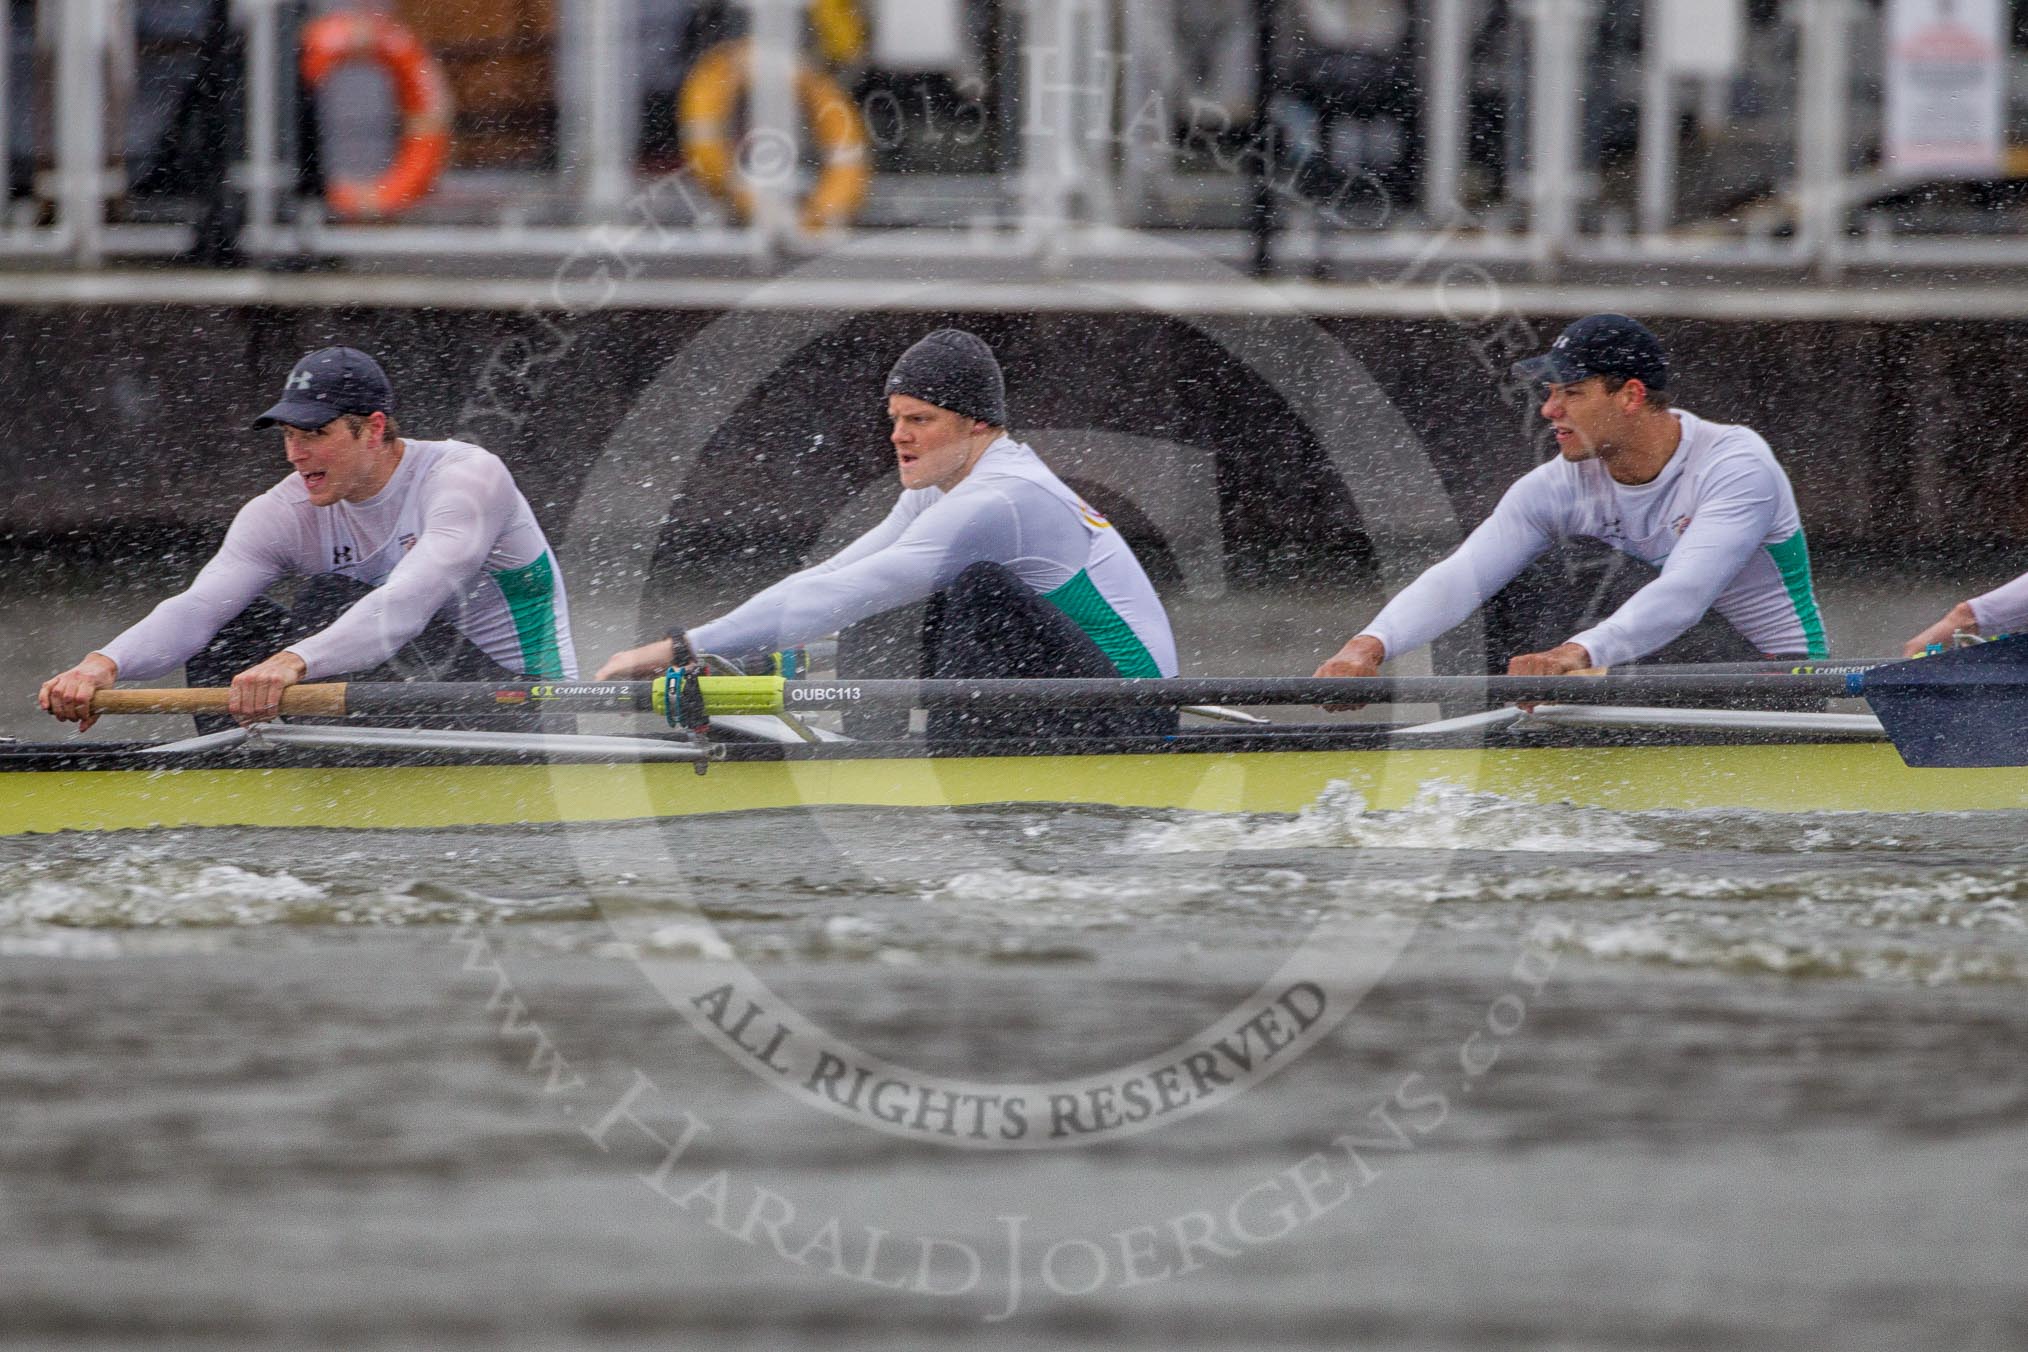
<point x="421" y="92"/>
<point x="840" y="30"/>
<point x="704" y="116"/>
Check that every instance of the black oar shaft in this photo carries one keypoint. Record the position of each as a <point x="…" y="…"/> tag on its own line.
<point x="389" y="699"/>
<point x="370" y="699"/>
<point x="1770" y="666"/>
<point x="1294" y="691"/>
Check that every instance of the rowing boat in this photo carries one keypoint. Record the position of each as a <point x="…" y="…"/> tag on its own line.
<point x="1627" y="759"/>
<point x="1946" y="735"/>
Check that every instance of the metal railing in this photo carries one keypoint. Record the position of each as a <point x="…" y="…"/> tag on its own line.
<point x="1091" y="173"/>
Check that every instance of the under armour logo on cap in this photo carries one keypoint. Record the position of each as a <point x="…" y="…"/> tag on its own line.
<point x="327" y="383"/>
<point x="1601" y="345"/>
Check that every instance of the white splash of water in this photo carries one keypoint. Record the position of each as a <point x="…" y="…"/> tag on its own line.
<point x="1442" y="816"/>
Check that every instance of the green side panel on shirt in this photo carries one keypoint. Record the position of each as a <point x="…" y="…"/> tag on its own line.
<point x="531" y="599"/>
<point x="1792" y="557"/>
<point x="1080" y="599"/>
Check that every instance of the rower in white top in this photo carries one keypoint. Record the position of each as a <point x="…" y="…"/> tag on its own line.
<point x="1028" y="579"/>
<point x="1703" y="510"/>
<point x="424" y="550"/>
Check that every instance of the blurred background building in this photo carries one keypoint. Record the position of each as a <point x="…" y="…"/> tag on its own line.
<point x="1328" y="137"/>
<point x="531" y="207"/>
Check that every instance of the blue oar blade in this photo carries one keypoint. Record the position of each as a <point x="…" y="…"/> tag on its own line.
<point x="1964" y="708"/>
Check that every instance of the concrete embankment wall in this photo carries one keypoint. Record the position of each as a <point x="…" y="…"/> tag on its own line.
<point x="1280" y="445"/>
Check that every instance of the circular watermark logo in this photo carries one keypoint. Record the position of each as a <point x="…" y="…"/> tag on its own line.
<point x="648" y="463"/>
<point x="768" y="156"/>
<point x="833" y="1030"/>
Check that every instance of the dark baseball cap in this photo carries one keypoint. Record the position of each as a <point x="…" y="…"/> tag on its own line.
<point x="329" y="382"/>
<point x="1601" y="345"/>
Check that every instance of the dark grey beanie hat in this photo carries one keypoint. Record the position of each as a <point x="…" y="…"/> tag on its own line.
<point x="953" y="369"/>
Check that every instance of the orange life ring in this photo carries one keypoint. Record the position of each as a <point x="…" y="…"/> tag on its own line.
<point x="421" y="92"/>
<point x="704" y="114"/>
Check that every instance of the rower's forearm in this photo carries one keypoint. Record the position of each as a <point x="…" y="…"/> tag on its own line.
<point x="1997" y="610"/>
<point x="169" y="635"/>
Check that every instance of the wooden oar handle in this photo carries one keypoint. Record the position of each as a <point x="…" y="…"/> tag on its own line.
<point x="324" y="701"/>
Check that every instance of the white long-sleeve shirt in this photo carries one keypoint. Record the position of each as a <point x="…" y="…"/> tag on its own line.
<point x="2003" y="608"/>
<point x="1010" y="510"/>
<point x="1719" y="521"/>
<point x="449" y="529"/>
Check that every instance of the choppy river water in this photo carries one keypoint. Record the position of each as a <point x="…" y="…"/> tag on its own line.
<point x="1601" y="1080"/>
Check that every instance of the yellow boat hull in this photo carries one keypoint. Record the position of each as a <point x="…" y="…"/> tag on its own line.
<point x="1811" y="777"/>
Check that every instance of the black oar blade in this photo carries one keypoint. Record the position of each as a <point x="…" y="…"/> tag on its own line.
<point x="1964" y="708"/>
